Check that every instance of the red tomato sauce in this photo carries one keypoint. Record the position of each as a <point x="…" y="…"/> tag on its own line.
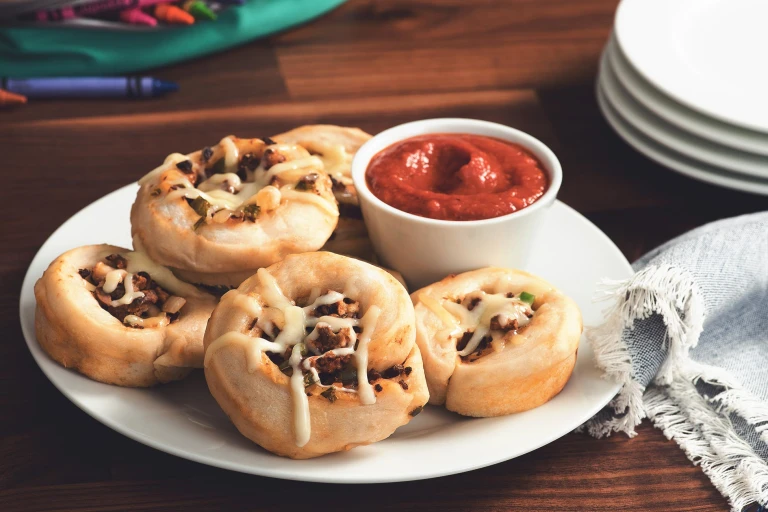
<point x="453" y="176"/>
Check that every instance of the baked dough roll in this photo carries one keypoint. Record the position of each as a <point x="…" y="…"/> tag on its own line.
<point x="217" y="215"/>
<point x="495" y="341"/>
<point x="117" y="317"/>
<point x="335" y="146"/>
<point x="314" y="355"/>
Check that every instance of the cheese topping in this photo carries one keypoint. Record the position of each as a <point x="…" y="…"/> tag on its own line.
<point x="231" y="153"/>
<point x="138" y="261"/>
<point x="475" y="314"/>
<point x="169" y="162"/>
<point x="226" y="191"/>
<point x="336" y="160"/>
<point x="308" y="197"/>
<point x="113" y="278"/>
<point x="217" y="180"/>
<point x="302" y="165"/>
<point x="153" y="321"/>
<point x="295" y="321"/>
<point x="104" y="281"/>
<point x="130" y="294"/>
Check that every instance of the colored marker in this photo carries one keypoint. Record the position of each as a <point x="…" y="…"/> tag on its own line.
<point x="9" y="98"/>
<point x="137" y="17"/>
<point x="89" y="9"/>
<point x="174" y="15"/>
<point x="89" y="87"/>
<point x="199" y="10"/>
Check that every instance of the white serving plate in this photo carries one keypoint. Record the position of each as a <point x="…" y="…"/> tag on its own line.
<point x="674" y="138"/>
<point x="183" y="419"/>
<point x="679" y="115"/>
<point x="675" y="161"/>
<point x="706" y="54"/>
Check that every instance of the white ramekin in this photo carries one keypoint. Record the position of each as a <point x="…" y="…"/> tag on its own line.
<point x="426" y="250"/>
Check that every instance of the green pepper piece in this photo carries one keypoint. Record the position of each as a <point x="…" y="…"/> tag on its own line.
<point x="348" y="374"/>
<point x="303" y="350"/>
<point x="307" y="183"/>
<point x="330" y="394"/>
<point x="528" y="298"/>
<point x="284" y="365"/>
<point x="251" y="211"/>
<point x="200" y="206"/>
<point x="309" y="379"/>
<point x="199" y="222"/>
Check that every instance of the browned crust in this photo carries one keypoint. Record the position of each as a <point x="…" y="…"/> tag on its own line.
<point x="526" y="373"/>
<point x="74" y="331"/>
<point x="338" y="425"/>
<point x="512" y="395"/>
<point x="221" y="254"/>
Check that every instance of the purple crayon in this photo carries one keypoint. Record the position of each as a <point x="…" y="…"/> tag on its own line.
<point x="89" y="87"/>
<point x="89" y="9"/>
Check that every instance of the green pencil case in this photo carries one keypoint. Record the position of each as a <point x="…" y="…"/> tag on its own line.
<point x="90" y="47"/>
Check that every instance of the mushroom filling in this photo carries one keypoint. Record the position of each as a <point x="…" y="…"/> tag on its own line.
<point x="225" y="185"/>
<point x="487" y="322"/>
<point x="327" y="361"/>
<point x="134" y="299"/>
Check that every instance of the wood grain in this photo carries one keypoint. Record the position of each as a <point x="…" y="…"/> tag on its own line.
<point x="373" y="64"/>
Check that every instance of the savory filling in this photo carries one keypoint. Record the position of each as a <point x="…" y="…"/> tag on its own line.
<point x="321" y="343"/>
<point x="223" y="184"/>
<point x="134" y="299"/>
<point x="483" y="323"/>
<point x="326" y="369"/>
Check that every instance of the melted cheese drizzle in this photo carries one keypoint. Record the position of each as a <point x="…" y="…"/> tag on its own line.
<point x="112" y="279"/>
<point x="219" y="199"/>
<point x="130" y="294"/>
<point x="137" y="261"/>
<point x="458" y="319"/>
<point x="309" y="197"/>
<point x="153" y="321"/>
<point x="295" y="322"/>
<point x="336" y="161"/>
<point x="169" y="162"/>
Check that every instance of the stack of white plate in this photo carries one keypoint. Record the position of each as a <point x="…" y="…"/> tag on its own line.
<point x="686" y="83"/>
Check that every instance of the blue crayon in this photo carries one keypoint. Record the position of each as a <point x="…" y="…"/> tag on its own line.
<point x="89" y="87"/>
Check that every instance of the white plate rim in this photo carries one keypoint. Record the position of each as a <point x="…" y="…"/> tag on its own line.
<point x="679" y="115"/>
<point x="47" y="366"/>
<point x="633" y="17"/>
<point x="674" y="138"/>
<point x="683" y="165"/>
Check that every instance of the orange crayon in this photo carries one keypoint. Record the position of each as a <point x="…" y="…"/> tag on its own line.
<point x="172" y="14"/>
<point x="11" y="98"/>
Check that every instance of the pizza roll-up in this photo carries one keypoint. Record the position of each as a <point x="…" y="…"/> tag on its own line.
<point x="495" y="341"/>
<point x="217" y="215"/>
<point x="314" y="355"/>
<point x="117" y="317"/>
<point x="336" y="146"/>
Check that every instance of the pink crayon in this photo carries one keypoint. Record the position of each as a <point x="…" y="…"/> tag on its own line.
<point x="89" y="9"/>
<point x="137" y="17"/>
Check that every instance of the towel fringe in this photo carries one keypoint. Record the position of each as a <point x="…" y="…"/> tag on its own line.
<point x="734" y="398"/>
<point x="709" y="441"/>
<point x="664" y="290"/>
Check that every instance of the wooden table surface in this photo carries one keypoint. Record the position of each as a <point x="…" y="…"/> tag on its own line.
<point x="526" y="63"/>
